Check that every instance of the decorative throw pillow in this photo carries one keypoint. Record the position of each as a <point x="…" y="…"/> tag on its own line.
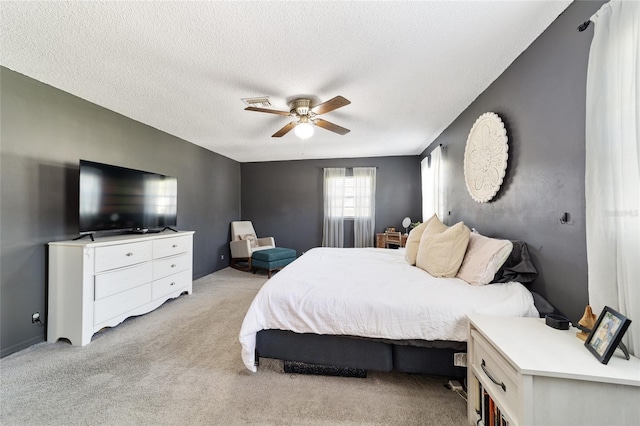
<point x="484" y="257"/>
<point x="413" y="242"/>
<point x="253" y="241"/>
<point x="442" y="248"/>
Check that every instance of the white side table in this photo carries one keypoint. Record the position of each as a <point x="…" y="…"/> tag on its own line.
<point x="537" y="375"/>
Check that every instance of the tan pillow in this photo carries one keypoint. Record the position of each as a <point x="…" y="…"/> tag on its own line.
<point x="442" y="248"/>
<point x="413" y="242"/>
<point x="253" y="241"/>
<point x="483" y="259"/>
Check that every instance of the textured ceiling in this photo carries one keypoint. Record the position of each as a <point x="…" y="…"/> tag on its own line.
<point x="409" y="68"/>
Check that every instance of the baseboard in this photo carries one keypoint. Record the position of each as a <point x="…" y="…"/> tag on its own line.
<point x="20" y="346"/>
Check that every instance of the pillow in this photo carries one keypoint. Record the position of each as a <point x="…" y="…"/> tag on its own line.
<point x="413" y="242"/>
<point x="483" y="259"/>
<point x="253" y="241"/>
<point x="442" y="248"/>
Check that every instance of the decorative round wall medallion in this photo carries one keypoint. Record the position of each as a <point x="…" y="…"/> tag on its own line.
<point x="485" y="157"/>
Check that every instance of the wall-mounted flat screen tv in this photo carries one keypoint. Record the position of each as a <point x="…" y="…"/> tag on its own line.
<point x="115" y="198"/>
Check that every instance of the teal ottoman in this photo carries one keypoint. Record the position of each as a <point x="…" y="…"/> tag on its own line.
<point x="272" y="259"/>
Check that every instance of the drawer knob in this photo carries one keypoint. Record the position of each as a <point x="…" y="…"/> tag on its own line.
<point x="173" y="266"/>
<point x="501" y="384"/>
<point x="174" y="246"/>
<point x="172" y="284"/>
<point x="129" y="254"/>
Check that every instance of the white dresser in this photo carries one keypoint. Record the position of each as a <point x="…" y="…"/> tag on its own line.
<point x="97" y="284"/>
<point x="536" y="375"/>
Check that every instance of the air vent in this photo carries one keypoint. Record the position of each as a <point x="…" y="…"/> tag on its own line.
<point x="260" y="102"/>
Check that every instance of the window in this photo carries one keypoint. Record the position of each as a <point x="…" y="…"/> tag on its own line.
<point x="432" y="185"/>
<point x="351" y="197"/>
<point x="348" y="197"/>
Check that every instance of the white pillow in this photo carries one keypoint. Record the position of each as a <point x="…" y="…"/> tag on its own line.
<point x="483" y="259"/>
<point x="413" y="242"/>
<point x="442" y="248"/>
<point x="253" y="241"/>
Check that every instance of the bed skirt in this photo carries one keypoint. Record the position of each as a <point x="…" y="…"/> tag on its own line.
<point x="434" y="358"/>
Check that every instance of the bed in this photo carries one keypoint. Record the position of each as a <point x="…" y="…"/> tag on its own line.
<point x="367" y="308"/>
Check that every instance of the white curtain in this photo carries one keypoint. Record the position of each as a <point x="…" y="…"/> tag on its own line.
<point x="333" y="227"/>
<point x="612" y="183"/>
<point x="428" y="209"/>
<point x="364" y="217"/>
<point x="432" y="185"/>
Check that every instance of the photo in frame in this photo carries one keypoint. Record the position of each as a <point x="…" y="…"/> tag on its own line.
<point x="607" y="334"/>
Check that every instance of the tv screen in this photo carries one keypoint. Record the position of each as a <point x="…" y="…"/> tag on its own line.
<point x="115" y="198"/>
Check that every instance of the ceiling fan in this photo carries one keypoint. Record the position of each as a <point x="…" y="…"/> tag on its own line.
<point x="306" y="115"/>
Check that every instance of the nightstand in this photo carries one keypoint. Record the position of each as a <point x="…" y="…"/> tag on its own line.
<point x="522" y="372"/>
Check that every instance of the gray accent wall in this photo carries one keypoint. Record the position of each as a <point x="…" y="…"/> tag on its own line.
<point x="283" y="199"/>
<point x="44" y="133"/>
<point x="541" y="98"/>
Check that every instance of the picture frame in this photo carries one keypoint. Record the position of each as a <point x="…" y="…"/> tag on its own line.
<point x="607" y="334"/>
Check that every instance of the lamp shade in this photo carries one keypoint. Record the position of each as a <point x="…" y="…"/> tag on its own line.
<point x="303" y="130"/>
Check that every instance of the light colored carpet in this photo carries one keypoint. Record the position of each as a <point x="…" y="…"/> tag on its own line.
<point x="181" y="365"/>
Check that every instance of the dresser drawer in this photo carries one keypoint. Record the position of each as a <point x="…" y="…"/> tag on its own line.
<point x="170" y="284"/>
<point x="123" y="302"/>
<point x="116" y="281"/>
<point x="121" y="255"/>
<point x="170" y="246"/>
<point x="496" y="374"/>
<point x="171" y="265"/>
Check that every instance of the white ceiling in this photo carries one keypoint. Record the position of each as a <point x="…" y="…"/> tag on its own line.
<point x="409" y="68"/>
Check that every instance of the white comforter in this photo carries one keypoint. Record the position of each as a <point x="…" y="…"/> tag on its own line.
<point x="372" y="293"/>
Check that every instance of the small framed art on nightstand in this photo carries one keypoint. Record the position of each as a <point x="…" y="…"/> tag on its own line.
<point x="607" y="334"/>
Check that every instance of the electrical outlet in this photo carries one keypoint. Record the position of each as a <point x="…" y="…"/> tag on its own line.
<point x="460" y="359"/>
<point x="35" y="317"/>
<point x="222" y="257"/>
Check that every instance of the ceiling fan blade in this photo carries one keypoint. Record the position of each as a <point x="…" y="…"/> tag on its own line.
<point x="286" y="129"/>
<point x="330" y="105"/>
<point x="330" y="126"/>
<point x="270" y="111"/>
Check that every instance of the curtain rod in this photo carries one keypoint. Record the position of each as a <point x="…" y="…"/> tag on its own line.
<point x="584" y="25"/>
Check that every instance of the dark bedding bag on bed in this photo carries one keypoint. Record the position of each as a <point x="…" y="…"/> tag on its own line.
<point x="518" y="267"/>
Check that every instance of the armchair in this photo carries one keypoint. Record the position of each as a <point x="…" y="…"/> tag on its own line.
<point x="244" y="242"/>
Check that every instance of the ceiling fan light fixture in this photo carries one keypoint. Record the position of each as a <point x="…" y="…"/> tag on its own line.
<point x="306" y="116"/>
<point x="304" y="130"/>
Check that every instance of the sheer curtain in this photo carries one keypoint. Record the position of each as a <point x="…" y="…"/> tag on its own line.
<point x="432" y="188"/>
<point x="428" y="209"/>
<point x="612" y="182"/>
<point x="334" y="190"/>
<point x="364" y="214"/>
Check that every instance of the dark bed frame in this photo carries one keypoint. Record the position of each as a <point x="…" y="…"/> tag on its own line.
<point x="434" y="358"/>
